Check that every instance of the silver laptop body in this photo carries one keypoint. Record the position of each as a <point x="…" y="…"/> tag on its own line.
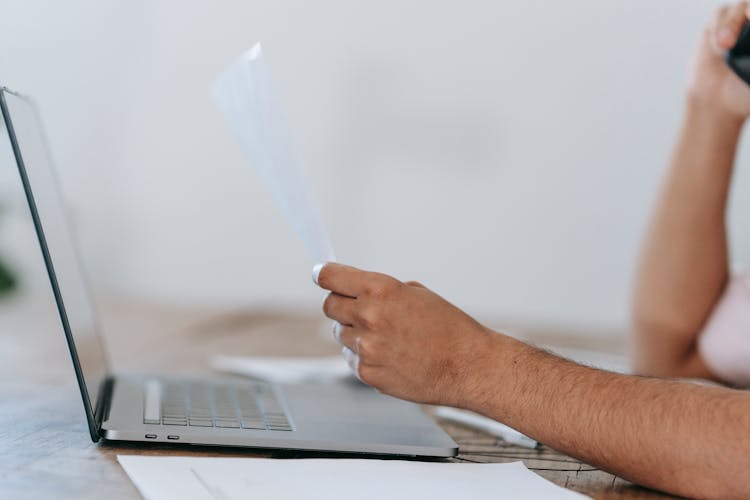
<point x="223" y="411"/>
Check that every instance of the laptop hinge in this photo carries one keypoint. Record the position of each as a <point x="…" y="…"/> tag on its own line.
<point x="104" y="402"/>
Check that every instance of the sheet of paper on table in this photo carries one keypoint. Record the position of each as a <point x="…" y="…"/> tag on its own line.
<point x="244" y="94"/>
<point x="285" y="370"/>
<point x="203" y="478"/>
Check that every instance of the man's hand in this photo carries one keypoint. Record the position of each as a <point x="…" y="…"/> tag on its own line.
<point x="410" y="342"/>
<point x="712" y="82"/>
<point x="414" y="345"/>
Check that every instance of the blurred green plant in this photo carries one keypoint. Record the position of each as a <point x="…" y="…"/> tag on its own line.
<point x="8" y="280"/>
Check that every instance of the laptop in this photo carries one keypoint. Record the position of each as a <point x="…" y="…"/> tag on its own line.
<point x="201" y="410"/>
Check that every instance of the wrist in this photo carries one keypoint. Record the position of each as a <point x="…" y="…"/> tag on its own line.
<point x="713" y="114"/>
<point x="488" y="372"/>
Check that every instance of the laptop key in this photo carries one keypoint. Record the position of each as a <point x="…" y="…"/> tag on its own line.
<point x="253" y="424"/>
<point x="151" y="410"/>
<point x="279" y="428"/>
<point x="227" y="423"/>
<point x="173" y="421"/>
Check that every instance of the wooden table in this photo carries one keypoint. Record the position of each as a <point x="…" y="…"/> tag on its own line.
<point x="45" y="450"/>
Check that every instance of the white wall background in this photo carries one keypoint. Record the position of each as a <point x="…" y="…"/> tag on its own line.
<point x="504" y="153"/>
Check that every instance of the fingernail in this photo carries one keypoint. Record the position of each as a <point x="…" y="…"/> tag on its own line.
<point x="316" y="271"/>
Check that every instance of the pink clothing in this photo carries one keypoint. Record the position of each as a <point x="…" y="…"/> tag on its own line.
<point x="725" y="341"/>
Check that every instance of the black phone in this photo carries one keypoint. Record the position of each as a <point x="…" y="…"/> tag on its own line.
<point x="738" y="57"/>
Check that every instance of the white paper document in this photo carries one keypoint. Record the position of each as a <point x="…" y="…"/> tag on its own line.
<point x="285" y="370"/>
<point x="202" y="478"/>
<point x="245" y="96"/>
<point x="484" y="424"/>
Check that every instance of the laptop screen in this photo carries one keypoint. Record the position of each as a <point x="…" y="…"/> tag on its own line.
<point x="22" y="127"/>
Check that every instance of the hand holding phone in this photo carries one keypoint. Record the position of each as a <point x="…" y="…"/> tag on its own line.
<point x="738" y="57"/>
<point x="720" y="77"/>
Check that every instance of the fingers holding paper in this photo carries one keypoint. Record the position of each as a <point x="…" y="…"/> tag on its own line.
<point x="407" y="341"/>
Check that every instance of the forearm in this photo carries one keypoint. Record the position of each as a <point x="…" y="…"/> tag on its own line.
<point x="683" y="266"/>
<point x="675" y="436"/>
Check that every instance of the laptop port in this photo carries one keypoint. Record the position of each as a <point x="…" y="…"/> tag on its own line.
<point x="173" y="437"/>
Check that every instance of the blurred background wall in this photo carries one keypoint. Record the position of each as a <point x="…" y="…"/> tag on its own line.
<point x="504" y="153"/>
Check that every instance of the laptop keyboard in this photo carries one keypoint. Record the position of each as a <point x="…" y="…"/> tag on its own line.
<point x="199" y="404"/>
